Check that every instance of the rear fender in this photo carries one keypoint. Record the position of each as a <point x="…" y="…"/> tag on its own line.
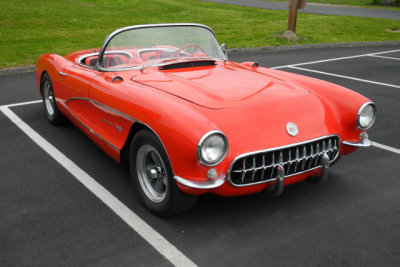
<point x="52" y="64"/>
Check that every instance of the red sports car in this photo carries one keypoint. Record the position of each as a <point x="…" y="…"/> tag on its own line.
<point x="189" y="121"/>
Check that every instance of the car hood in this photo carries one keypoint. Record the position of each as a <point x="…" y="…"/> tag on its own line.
<point x="221" y="86"/>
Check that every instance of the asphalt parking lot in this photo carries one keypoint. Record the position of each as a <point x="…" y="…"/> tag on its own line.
<point x="84" y="212"/>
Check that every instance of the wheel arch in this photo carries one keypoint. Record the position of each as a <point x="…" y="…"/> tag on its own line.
<point x="135" y="128"/>
<point x="41" y="80"/>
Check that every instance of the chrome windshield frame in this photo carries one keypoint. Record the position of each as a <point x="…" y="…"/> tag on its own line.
<point x="133" y="27"/>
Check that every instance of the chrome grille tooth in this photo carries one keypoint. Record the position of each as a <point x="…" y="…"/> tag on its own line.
<point x="272" y="172"/>
<point x="330" y="148"/>
<point x="273" y="166"/>
<point x="311" y="156"/>
<point x="244" y="170"/>
<point x="289" y="162"/>
<point x="317" y="155"/>
<point x="264" y="167"/>
<point x="303" y="164"/>
<point x="297" y="159"/>
<point x="259" y="167"/>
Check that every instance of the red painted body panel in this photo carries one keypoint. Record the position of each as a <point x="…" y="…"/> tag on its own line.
<point x="251" y="106"/>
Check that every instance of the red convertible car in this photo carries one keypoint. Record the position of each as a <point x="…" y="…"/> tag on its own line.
<point x="189" y="121"/>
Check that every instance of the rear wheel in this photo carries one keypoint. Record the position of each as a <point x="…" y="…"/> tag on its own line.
<point x="152" y="173"/>
<point x="49" y="101"/>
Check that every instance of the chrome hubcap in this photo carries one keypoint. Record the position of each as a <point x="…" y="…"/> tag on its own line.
<point x="48" y="98"/>
<point x="151" y="173"/>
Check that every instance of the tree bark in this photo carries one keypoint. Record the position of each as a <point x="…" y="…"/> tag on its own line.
<point x="292" y="15"/>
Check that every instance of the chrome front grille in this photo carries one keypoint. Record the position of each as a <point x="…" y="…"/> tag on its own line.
<point x="262" y="166"/>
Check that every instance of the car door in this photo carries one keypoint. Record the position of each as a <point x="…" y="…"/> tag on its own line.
<point x="110" y="122"/>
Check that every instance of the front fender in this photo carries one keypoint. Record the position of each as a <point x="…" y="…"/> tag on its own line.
<point x="343" y="102"/>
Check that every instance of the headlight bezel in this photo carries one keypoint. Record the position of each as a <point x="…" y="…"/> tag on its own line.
<point x="202" y="141"/>
<point x="362" y="108"/>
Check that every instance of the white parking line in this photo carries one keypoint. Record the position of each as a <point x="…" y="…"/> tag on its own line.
<point x="21" y="104"/>
<point x="163" y="246"/>
<point x="388" y="148"/>
<point x="394" y="58"/>
<point x="335" y="59"/>
<point x="346" y="77"/>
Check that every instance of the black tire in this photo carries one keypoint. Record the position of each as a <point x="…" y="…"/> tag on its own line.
<point x="152" y="174"/>
<point x="49" y="101"/>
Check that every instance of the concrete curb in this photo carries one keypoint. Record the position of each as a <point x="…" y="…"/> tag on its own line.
<point x="17" y="70"/>
<point x="313" y="46"/>
<point x="250" y="49"/>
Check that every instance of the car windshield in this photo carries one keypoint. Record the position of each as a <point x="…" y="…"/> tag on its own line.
<point x="149" y="46"/>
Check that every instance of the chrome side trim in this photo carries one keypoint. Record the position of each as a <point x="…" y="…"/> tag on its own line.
<point x="123" y="114"/>
<point x="361" y="143"/>
<point x="210" y="184"/>
<point x="100" y="104"/>
<point x="93" y="132"/>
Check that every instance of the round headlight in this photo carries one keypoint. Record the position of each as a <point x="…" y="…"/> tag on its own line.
<point x="212" y="148"/>
<point x="366" y="116"/>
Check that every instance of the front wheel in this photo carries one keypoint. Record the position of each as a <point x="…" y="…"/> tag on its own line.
<point x="152" y="173"/>
<point x="49" y="101"/>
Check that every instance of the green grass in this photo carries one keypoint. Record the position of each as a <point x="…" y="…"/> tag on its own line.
<point x="48" y="26"/>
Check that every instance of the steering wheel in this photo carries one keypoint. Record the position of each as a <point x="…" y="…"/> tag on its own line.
<point x="196" y="47"/>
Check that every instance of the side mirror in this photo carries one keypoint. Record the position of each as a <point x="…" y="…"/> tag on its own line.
<point x="224" y="49"/>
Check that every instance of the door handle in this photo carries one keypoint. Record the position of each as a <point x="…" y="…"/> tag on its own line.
<point x="62" y="73"/>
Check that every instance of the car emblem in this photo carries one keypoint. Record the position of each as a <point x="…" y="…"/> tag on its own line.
<point x="292" y="129"/>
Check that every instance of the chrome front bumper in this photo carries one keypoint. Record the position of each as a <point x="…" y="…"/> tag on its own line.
<point x="210" y="184"/>
<point x="277" y="186"/>
<point x="360" y="143"/>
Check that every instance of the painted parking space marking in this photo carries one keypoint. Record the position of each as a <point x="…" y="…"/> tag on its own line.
<point x="21" y="104"/>
<point x="385" y="147"/>
<point x="335" y="59"/>
<point x="345" y="77"/>
<point x="377" y="54"/>
<point x="394" y="58"/>
<point x="163" y="246"/>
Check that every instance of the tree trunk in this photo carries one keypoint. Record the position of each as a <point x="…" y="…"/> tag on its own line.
<point x="292" y="15"/>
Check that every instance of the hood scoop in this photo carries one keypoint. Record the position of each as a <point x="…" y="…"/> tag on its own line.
<point x="188" y="64"/>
